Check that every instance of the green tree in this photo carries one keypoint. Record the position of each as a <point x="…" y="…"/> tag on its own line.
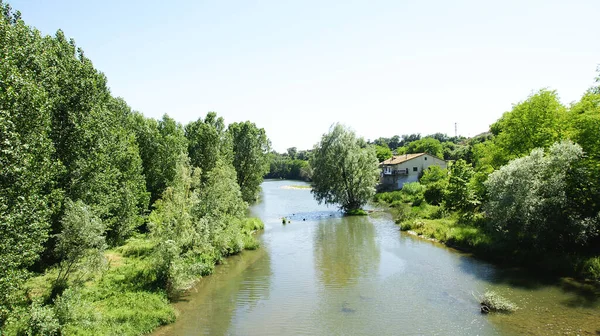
<point x="584" y="118"/>
<point x="435" y="180"/>
<point x="459" y="195"/>
<point x="250" y="157"/>
<point x="531" y="201"/>
<point x="81" y="237"/>
<point x="205" y="141"/>
<point x="426" y="145"/>
<point x="160" y="143"/>
<point x="292" y="152"/>
<point x="346" y="169"/>
<point x="383" y="152"/>
<point x="537" y="122"/>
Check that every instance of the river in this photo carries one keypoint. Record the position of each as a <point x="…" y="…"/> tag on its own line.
<point x="326" y="274"/>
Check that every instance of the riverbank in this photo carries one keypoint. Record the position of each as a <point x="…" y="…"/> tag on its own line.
<point x="468" y="233"/>
<point x="123" y="295"/>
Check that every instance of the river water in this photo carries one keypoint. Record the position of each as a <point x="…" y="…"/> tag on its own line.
<point x="326" y="274"/>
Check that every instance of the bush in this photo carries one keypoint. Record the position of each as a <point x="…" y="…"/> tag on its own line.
<point x="37" y="319"/>
<point x="413" y="189"/>
<point x="591" y="268"/>
<point x="388" y="197"/>
<point x="356" y="212"/>
<point x="496" y="303"/>
<point x="434" y="193"/>
<point x="252" y="224"/>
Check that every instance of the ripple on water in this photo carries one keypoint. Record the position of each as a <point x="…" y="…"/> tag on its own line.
<point x="335" y="275"/>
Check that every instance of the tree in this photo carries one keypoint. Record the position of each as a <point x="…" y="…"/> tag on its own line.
<point x="394" y="142"/>
<point x="537" y="122"/>
<point x="205" y="141"/>
<point x="426" y="145"/>
<point x="346" y="169"/>
<point x="435" y="180"/>
<point x="250" y="157"/>
<point x="459" y="195"/>
<point x="292" y="152"/>
<point x="383" y="152"/>
<point x="407" y="139"/>
<point x="531" y="201"/>
<point x="160" y="144"/>
<point x="81" y="236"/>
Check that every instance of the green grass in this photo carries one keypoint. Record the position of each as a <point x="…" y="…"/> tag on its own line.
<point x="356" y="212"/>
<point x="123" y="297"/>
<point x="449" y="231"/>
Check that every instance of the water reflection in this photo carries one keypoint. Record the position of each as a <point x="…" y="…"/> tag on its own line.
<point x="323" y="274"/>
<point x="345" y="250"/>
<point x="237" y="287"/>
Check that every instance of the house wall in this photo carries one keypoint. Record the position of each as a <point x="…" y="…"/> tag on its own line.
<point x="420" y="163"/>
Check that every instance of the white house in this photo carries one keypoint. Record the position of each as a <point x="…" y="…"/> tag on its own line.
<point x="400" y="169"/>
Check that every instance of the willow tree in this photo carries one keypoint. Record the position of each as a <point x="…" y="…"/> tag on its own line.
<point x="345" y="169"/>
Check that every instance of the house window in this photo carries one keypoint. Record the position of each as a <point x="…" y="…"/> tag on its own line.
<point x="415" y="169"/>
<point x="425" y="158"/>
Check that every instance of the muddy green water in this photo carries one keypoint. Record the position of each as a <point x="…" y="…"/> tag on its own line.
<point x="325" y="274"/>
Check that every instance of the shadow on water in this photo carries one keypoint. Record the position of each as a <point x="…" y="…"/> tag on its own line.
<point x="584" y="294"/>
<point x="237" y="285"/>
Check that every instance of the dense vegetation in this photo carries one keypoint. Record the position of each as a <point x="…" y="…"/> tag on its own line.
<point x="527" y="192"/>
<point x="345" y="170"/>
<point x="438" y="144"/>
<point x="292" y="165"/>
<point x="106" y="214"/>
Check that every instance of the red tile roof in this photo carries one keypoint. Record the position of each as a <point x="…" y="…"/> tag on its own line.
<point x="396" y="159"/>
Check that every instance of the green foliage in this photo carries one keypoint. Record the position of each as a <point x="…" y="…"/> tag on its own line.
<point x="79" y="169"/>
<point x="206" y="141"/>
<point x="38" y="319"/>
<point x="161" y="143"/>
<point x="426" y="145"/>
<point x="346" y="169"/>
<point x="591" y="268"/>
<point x="411" y="193"/>
<point x="283" y="166"/>
<point x="537" y="122"/>
<point x="459" y="195"/>
<point x="81" y="237"/>
<point x="433" y="174"/>
<point x="388" y="197"/>
<point x="250" y="157"/>
<point x="435" y="180"/>
<point x="413" y="189"/>
<point x="356" y="212"/>
<point x="383" y="152"/>
<point x="530" y="203"/>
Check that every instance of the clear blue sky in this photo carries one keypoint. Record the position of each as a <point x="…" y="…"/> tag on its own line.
<point x="295" y="67"/>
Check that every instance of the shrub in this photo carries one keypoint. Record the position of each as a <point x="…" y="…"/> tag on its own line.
<point x="497" y="303"/>
<point x="434" y="193"/>
<point x="413" y="188"/>
<point x="591" y="268"/>
<point x="388" y="197"/>
<point x="356" y="212"/>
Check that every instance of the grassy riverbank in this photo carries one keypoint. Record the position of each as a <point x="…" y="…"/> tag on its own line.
<point x="468" y="232"/>
<point x="122" y="296"/>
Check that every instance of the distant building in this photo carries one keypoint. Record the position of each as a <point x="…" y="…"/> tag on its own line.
<point x="400" y="169"/>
